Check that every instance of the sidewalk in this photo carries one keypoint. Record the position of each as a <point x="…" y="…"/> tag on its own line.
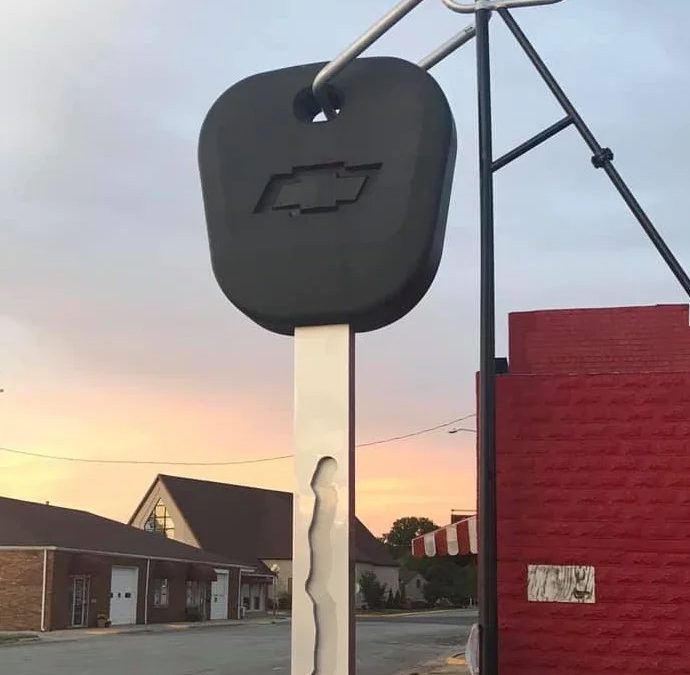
<point x="454" y="665"/>
<point x="7" y="638"/>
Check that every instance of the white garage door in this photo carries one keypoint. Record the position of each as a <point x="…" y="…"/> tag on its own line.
<point x="123" y="595"/>
<point x="219" y="595"/>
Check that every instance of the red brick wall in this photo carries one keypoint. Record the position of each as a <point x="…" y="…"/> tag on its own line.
<point x="21" y="588"/>
<point x="627" y="339"/>
<point x="594" y="469"/>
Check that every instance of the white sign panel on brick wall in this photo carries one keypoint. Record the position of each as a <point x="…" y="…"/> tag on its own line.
<point x="561" y="583"/>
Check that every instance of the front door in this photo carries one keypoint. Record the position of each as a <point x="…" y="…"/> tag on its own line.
<point x="219" y="595"/>
<point x="79" y="605"/>
<point x="123" y="595"/>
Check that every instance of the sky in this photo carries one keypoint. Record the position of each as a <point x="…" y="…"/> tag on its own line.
<point x="115" y="341"/>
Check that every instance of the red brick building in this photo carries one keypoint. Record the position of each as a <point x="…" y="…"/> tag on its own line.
<point x="593" y="461"/>
<point x="61" y="568"/>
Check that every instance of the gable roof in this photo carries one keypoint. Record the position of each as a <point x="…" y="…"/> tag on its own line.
<point x="250" y="523"/>
<point x="408" y="575"/>
<point x="28" y="524"/>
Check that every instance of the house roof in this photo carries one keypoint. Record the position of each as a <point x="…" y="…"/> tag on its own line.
<point x="408" y="575"/>
<point x="251" y="523"/>
<point x="28" y="524"/>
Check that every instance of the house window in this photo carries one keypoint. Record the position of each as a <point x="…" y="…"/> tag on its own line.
<point x="161" y="594"/>
<point x="159" y="521"/>
<point x="419" y="583"/>
<point x="194" y="594"/>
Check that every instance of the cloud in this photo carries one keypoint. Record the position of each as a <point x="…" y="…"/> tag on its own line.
<point x="105" y="278"/>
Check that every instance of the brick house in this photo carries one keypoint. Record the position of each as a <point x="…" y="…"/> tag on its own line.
<point x="61" y="568"/>
<point x="249" y="524"/>
<point x="593" y="464"/>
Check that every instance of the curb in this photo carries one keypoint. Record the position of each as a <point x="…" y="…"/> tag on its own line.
<point x="429" y="612"/>
<point x="13" y="640"/>
<point x="85" y="634"/>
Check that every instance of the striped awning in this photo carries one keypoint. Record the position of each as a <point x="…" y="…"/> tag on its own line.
<point x="457" y="539"/>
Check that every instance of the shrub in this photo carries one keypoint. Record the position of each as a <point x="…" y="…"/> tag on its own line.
<point x="373" y="590"/>
<point x="390" y="600"/>
<point x="192" y="614"/>
<point x="397" y="600"/>
<point x="285" y="601"/>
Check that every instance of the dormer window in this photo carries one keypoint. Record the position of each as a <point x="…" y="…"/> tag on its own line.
<point x="160" y="521"/>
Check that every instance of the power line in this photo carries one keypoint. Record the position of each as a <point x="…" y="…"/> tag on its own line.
<point x="418" y="433"/>
<point x="87" y="460"/>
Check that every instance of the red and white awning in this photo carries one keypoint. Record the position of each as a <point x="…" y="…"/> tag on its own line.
<point x="457" y="539"/>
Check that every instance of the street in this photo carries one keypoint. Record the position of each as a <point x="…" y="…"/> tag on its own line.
<point x="386" y="646"/>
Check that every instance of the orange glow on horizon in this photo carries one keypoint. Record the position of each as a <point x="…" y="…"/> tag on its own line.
<point x="426" y="475"/>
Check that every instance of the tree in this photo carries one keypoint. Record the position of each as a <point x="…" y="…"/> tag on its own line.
<point x="403" y="597"/>
<point x="448" y="580"/>
<point x="403" y="531"/>
<point x="390" y="600"/>
<point x="373" y="590"/>
<point x="398" y="600"/>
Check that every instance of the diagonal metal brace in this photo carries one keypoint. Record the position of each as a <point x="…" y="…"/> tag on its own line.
<point x="533" y="142"/>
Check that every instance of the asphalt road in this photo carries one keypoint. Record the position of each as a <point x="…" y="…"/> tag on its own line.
<point x="386" y="646"/>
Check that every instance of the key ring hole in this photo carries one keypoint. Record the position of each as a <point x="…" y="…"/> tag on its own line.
<point x="307" y="108"/>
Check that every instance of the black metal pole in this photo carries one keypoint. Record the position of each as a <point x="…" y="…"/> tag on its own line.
<point x="488" y="611"/>
<point x="603" y="157"/>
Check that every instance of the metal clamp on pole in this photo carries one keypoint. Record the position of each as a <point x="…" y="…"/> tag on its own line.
<point x="383" y="25"/>
<point x="492" y="5"/>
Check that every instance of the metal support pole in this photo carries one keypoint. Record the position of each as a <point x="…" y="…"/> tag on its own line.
<point x="441" y="52"/>
<point x="323" y="631"/>
<point x="603" y="157"/>
<point x="488" y="611"/>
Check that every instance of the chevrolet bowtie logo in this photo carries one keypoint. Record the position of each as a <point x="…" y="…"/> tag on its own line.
<point x="315" y="189"/>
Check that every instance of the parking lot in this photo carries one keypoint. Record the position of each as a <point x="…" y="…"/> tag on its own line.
<point x="386" y="646"/>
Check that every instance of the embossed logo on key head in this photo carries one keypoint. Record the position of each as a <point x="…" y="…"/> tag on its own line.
<point x="316" y="189"/>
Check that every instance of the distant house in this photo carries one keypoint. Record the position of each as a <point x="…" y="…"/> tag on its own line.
<point x="248" y="524"/>
<point x="413" y="584"/>
<point x="62" y="568"/>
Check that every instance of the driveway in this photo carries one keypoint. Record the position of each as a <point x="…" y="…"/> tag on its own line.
<point x="386" y="646"/>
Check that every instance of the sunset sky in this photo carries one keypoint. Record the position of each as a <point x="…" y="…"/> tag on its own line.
<point x="115" y="341"/>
